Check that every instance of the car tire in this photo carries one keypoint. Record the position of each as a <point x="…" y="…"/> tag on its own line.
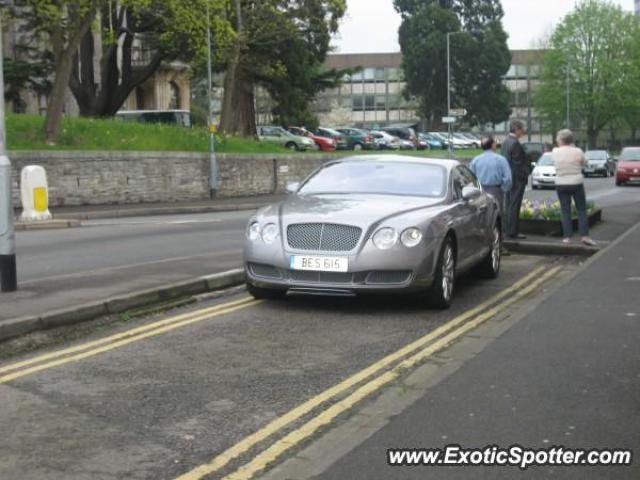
<point x="260" y="293"/>
<point x="440" y="293"/>
<point x="357" y="147"/>
<point x="489" y="267"/>
<point x="291" y="146"/>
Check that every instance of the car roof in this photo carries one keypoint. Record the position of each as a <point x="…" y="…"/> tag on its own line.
<point x="442" y="162"/>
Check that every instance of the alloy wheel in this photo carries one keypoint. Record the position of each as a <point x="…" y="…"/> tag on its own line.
<point x="448" y="273"/>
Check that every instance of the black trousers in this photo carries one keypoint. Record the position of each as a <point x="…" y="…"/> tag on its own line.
<point x="514" y="202"/>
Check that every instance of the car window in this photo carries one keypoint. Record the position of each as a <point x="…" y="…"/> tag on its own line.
<point x="630" y="155"/>
<point x="378" y="177"/>
<point x="469" y="177"/>
<point x="456" y="184"/>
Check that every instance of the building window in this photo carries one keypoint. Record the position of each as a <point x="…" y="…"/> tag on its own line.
<point x="380" y="75"/>
<point x="174" y="96"/>
<point x="369" y="102"/>
<point x="358" y="103"/>
<point x="381" y="102"/>
<point x="369" y="74"/>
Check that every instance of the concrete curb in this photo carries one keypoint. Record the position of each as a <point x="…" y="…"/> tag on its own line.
<point x="548" y="248"/>
<point x="47" y="224"/>
<point x="81" y="313"/>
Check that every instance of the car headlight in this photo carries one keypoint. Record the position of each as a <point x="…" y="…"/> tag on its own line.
<point x="385" y="238"/>
<point x="269" y="233"/>
<point x="411" y="237"/>
<point x="253" y="232"/>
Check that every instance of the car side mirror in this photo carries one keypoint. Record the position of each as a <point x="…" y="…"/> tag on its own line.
<point x="292" y="187"/>
<point x="533" y="164"/>
<point x="470" y="192"/>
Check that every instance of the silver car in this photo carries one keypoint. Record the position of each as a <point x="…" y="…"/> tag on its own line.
<point x="375" y="224"/>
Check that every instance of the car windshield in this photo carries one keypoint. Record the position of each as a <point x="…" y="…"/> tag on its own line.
<point x="596" y="155"/>
<point x="378" y="177"/>
<point x="630" y="155"/>
<point x="546" y="160"/>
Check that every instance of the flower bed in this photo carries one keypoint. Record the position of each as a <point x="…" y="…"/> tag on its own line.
<point x="545" y="218"/>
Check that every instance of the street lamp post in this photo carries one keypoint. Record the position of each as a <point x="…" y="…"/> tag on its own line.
<point x="213" y="163"/>
<point x="449" y="92"/>
<point x="8" y="275"/>
<point x="568" y="96"/>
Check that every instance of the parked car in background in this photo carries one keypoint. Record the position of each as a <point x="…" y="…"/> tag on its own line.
<point x="534" y="150"/>
<point x="325" y="144"/>
<point x="628" y="167"/>
<point x="358" y="139"/>
<point x="397" y="224"/>
<point x="432" y="140"/>
<point x="474" y="139"/>
<point x="385" y="141"/>
<point x="544" y="173"/>
<point x="171" y="117"/>
<point x="466" y="142"/>
<point x="444" y="138"/>
<point x="341" y="142"/>
<point x="280" y="136"/>
<point x="599" y="162"/>
<point x="407" y="145"/>
<point x="456" y="142"/>
<point x="403" y="133"/>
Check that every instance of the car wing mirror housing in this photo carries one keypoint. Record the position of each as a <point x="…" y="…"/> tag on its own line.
<point x="470" y="192"/>
<point x="292" y="187"/>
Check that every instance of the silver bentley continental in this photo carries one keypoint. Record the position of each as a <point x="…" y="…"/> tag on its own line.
<point x="375" y="225"/>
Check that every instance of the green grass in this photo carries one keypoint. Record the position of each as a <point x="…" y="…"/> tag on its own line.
<point x="25" y="132"/>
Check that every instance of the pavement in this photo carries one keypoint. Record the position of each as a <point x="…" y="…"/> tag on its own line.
<point x="566" y="373"/>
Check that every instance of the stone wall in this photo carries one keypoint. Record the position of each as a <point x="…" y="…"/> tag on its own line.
<point x="100" y="178"/>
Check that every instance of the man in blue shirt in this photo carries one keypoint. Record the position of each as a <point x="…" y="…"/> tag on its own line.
<point x="493" y="172"/>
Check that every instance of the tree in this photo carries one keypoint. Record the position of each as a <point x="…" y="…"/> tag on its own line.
<point x="63" y="24"/>
<point x="593" y="51"/>
<point x="279" y="45"/>
<point x="167" y="30"/>
<point x="479" y="57"/>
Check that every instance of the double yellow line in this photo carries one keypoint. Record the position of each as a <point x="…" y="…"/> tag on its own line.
<point x="407" y="356"/>
<point x="89" y="349"/>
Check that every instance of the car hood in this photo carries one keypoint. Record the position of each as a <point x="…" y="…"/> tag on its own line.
<point x="352" y="209"/>
<point x="546" y="169"/>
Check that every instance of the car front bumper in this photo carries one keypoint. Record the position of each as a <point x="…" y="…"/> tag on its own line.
<point x="543" y="181"/>
<point x="398" y="270"/>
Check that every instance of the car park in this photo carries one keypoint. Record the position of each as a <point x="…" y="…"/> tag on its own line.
<point x="599" y="162"/>
<point x="358" y="139"/>
<point x="474" y="139"/>
<point x="280" y="136"/>
<point x="544" y="172"/>
<point x="324" y="144"/>
<point x="341" y="142"/>
<point x="375" y="225"/>
<point x="628" y="167"/>
<point x="465" y="141"/>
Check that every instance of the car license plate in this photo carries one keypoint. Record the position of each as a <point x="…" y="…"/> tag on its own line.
<point x="319" y="264"/>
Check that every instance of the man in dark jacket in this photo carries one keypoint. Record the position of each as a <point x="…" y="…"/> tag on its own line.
<point x="513" y="151"/>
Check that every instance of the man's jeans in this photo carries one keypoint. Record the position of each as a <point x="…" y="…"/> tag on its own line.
<point x="565" y="193"/>
<point x="514" y="202"/>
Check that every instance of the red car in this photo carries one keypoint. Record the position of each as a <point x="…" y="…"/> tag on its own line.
<point x="628" y="167"/>
<point x="324" y="144"/>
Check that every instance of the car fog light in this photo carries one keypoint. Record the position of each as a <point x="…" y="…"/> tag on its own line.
<point x="411" y="237"/>
<point x="254" y="231"/>
<point x="269" y="233"/>
<point x="385" y="238"/>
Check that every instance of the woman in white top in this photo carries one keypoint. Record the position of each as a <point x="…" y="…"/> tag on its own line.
<point x="569" y="161"/>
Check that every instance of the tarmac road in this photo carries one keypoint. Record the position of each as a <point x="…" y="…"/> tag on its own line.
<point x="202" y="391"/>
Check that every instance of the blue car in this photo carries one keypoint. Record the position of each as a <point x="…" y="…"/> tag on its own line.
<point x="432" y="141"/>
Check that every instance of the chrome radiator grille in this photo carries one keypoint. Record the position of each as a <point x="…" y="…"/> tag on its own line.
<point x="323" y="237"/>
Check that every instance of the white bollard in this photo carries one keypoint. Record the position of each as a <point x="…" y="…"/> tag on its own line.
<point x="34" y="194"/>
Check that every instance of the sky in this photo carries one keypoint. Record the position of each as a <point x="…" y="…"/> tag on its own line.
<point x="372" y="25"/>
